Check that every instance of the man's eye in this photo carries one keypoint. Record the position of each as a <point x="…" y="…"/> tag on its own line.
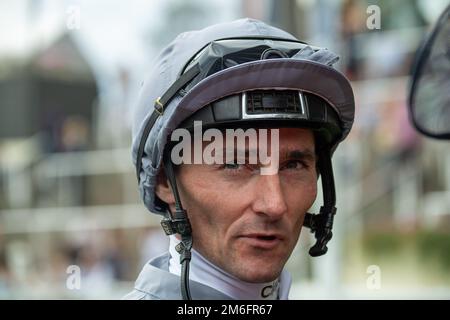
<point x="231" y="166"/>
<point x="295" y="164"/>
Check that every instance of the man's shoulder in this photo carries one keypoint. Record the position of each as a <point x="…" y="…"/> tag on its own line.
<point x="139" y="295"/>
<point x="154" y="282"/>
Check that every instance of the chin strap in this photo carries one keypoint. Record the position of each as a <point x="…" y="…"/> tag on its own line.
<point x="321" y="224"/>
<point x="179" y="223"/>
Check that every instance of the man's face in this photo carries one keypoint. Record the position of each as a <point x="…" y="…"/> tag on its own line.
<point x="247" y="223"/>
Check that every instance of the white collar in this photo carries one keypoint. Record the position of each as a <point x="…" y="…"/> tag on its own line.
<point x="203" y="271"/>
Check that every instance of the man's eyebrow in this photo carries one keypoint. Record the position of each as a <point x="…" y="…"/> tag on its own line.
<point x="237" y="150"/>
<point x="305" y="154"/>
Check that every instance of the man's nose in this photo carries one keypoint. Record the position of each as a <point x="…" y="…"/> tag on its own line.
<point x="269" y="197"/>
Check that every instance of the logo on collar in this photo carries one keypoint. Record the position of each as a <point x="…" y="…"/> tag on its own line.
<point x="267" y="291"/>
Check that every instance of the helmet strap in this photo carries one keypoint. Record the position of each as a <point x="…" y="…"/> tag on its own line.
<point x="178" y="222"/>
<point x="321" y="224"/>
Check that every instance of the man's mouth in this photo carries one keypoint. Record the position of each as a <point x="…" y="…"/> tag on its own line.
<point x="262" y="240"/>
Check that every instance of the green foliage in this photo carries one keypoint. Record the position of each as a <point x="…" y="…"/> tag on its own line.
<point x="431" y="247"/>
<point x="378" y="244"/>
<point x="434" y="246"/>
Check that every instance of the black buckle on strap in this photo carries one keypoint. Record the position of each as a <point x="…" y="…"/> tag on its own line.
<point x="321" y="225"/>
<point x="180" y="226"/>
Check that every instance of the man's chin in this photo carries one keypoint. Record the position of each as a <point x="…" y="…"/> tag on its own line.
<point x="259" y="275"/>
<point x="258" y="267"/>
<point x="259" y="278"/>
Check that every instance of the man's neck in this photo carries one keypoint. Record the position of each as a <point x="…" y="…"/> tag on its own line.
<point x="205" y="272"/>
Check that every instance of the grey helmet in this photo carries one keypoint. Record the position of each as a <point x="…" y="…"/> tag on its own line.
<point x="241" y="73"/>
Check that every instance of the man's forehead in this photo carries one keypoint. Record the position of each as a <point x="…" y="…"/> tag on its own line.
<point x="291" y="147"/>
<point x="286" y="138"/>
<point x="296" y="137"/>
<point x="284" y="133"/>
<point x="284" y="153"/>
<point x="258" y="146"/>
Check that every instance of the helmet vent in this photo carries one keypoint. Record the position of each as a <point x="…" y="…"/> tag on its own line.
<point x="280" y="102"/>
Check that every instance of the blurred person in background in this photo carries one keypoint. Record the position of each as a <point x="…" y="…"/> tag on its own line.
<point x="148" y="249"/>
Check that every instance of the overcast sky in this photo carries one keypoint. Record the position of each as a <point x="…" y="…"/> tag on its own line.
<point x="112" y="33"/>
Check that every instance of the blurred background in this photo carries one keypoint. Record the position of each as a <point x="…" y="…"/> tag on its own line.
<point x="69" y="74"/>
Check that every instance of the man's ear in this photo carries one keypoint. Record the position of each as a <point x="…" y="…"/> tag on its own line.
<point x="163" y="189"/>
